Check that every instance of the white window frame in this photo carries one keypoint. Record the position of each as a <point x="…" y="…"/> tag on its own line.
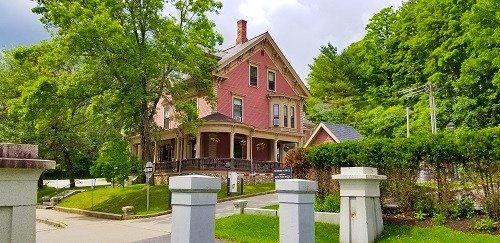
<point x="250" y="75"/>
<point x="165" y="109"/>
<point x="278" y="115"/>
<point x="232" y="107"/>
<point x="275" y="82"/>
<point x="292" y="114"/>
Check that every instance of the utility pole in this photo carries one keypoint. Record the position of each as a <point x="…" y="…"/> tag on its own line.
<point x="412" y="92"/>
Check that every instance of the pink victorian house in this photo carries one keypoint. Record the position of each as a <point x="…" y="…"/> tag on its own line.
<point x="256" y="119"/>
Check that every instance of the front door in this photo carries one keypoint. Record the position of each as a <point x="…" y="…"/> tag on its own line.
<point x="238" y="150"/>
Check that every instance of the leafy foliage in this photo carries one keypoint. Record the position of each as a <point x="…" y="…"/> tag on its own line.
<point x="114" y="161"/>
<point x="454" y="45"/>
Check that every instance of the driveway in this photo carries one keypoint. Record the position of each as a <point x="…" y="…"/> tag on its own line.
<point x="87" y="229"/>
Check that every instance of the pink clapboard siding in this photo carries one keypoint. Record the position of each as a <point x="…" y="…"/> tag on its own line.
<point x="322" y="137"/>
<point x="255" y="101"/>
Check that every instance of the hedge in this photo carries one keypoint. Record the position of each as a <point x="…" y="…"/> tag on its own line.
<point x="475" y="154"/>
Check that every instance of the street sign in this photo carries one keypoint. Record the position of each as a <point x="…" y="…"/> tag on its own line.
<point x="283" y="174"/>
<point x="148" y="170"/>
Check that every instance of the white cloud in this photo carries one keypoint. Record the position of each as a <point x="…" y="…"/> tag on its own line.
<point x="259" y="12"/>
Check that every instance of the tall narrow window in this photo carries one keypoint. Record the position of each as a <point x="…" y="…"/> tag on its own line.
<point x="271" y="80"/>
<point x="253" y="76"/>
<point x="238" y="109"/>
<point x="292" y="117"/>
<point x="276" y="115"/>
<point x="166" y="117"/>
<point x="285" y="116"/>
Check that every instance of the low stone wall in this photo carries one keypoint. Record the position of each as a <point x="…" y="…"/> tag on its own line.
<point x="329" y="218"/>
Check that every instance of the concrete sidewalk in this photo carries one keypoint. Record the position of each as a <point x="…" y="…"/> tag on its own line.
<point x="86" y="229"/>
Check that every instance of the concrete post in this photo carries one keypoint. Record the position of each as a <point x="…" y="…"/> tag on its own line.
<point x="296" y="210"/>
<point x="360" y="209"/>
<point x="193" y="208"/>
<point x="239" y="206"/>
<point x="19" y="173"/>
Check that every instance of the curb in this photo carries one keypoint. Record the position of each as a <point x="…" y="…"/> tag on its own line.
<point x="52" y="223"/>
<point x="113" y="216"/>
<point x="245" y="196"/>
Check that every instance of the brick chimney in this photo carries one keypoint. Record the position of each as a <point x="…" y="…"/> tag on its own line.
<point x="241" y="33"/>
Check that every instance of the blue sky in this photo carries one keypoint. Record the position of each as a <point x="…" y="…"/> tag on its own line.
<point x="300" y="27"/>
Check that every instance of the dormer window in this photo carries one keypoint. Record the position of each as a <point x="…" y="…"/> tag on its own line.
<point x="271" y="80"/>
<point x="253" y="76"/>
<point x="166" y="117"/>
<point x="238" y="109"/>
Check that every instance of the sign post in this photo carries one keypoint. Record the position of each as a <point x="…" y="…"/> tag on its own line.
<point x="281" y="174"/>
<point x="148" y="170"/>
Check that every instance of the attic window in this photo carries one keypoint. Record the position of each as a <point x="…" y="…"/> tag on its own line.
<point x="253" y="75"/>
<point x="271" y="80"/>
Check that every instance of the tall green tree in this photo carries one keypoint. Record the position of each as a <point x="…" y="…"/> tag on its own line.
<point x="136" y="52"/>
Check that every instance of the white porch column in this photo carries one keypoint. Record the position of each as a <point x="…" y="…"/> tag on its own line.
<point x="296" y="210"/>
<point x="193" y="208"/>
<point x="249" y="148"/>
<point x="19" y="173"/>
<point x="360" y="209"/>
<point x="274" y="151"/>
<point x="231" y="145"/>
<point x="177" y="148"/>
<point x="198" y="145"/>
<point x="156" y="154"/>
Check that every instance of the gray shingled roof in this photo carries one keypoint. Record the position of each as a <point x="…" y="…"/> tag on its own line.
<point x="219" y="117"/>
<point x="230" y="52"/>
<point x="343" y="132"/>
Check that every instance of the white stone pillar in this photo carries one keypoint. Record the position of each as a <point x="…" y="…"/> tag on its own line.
<point x="231" y="145"/>
<point x="360" y="209"/>
<point x="193" y="208"/>
<point x="249" y="148"/>
<point x="19" y="173"/>
<point x="198" y="145"/>
<point x="296" y="210"/>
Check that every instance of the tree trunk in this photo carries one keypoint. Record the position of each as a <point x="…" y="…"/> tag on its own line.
<point x="145" y="128"/>
<point x="69" y="168"/>
<point x="40" y="181"/>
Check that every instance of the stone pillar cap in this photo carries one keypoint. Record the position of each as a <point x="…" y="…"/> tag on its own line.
<point x="18" y="151"/>
<point x="27" y="163"/>
<point x="296" y="185"/>
<point x="194" y="183"/>
<point x="351" y="173"/>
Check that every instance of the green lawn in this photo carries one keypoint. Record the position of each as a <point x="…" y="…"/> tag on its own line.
<point x="111" y="200"/>
<point x="273" y="206"/>
<point x="248" y="189"/>
<point x="257" y="228"/>
<point x="410" y="233"/>
<point x="46" y="191"/>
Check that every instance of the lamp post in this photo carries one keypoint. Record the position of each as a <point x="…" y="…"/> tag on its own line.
<point x="451" y="126"/>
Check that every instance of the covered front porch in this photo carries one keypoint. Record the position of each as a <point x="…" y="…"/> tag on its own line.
<point x="219" y="147"/>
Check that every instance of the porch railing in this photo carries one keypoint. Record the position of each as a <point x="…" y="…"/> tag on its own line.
<point x="216" y="164"/>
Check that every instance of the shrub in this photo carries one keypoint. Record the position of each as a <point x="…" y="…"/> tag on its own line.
<point x="485" y="224"/>
<point x="438" y="219"/>
<point x="296" y="159"/>
<point x="464" y="208"/>
<point x="491" y="205"/>
<point x="331" y="204"/>
<point x="424" y="205"/>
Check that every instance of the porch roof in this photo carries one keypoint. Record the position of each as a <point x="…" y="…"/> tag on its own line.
<point x="219" y="117"/>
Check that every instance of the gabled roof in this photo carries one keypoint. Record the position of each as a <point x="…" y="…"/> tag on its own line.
<point x="219" y="117"/>
<point x="337" y="132"/>
<point x="230" y="54"/>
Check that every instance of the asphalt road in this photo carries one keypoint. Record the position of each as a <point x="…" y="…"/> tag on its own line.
<point x="87" y="229"/>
